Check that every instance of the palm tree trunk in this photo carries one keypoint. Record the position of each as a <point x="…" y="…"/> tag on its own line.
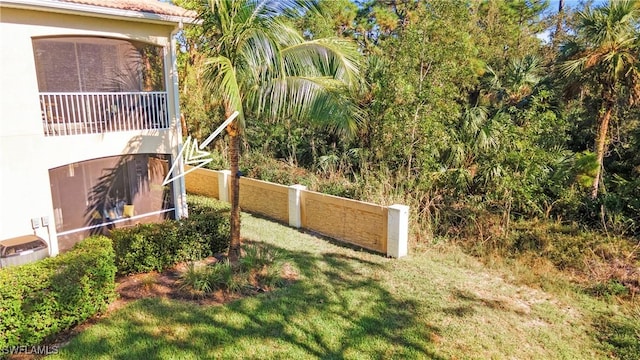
<point x="234" y="150"/>
<point x="600" y="147"/>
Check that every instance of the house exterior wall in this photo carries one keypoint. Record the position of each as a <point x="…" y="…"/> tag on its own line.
<point x="26" y="155"/>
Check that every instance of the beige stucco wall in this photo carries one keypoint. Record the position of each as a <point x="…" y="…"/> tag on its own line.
<point x="355" y="222"/>
<point x="352" y="221"/>
<point x="265" y="198"/>
<point x="26" y="154"/>
<point x="202" y="182"/>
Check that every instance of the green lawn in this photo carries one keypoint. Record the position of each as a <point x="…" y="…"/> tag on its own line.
<point x="437" y="303"/>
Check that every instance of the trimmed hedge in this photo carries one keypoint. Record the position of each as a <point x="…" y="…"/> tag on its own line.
<point x="41" y="299"/>
<point x="156" y="247"/>
<point x="199" y="204"/>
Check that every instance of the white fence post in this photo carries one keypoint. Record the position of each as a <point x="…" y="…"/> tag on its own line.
<point x="398" y="230"/>
<point x="223" y="185"/>
<point x="295" y="215"/>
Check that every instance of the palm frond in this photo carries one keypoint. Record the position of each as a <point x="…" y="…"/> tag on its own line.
<point x="265" y="65"/>
<point x="330" y="56"/>
<point x="222" y="83"/>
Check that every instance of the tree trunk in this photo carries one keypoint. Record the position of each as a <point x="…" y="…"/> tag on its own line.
<point x="560" y="17"/>
<point x="600" y="147"/>
<point x="234" y="150"/>
<point x="559" y="30"/>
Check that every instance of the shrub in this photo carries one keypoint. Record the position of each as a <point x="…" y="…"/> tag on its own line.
<point x="40" y="299"/>
<point x="155" y="247"/>
<point x="256" y="257"/>
<point x="199" y="204"/>
<point x="259" y="166"/>
<point x="258" y="267"/>
<point x="196" y="278"/>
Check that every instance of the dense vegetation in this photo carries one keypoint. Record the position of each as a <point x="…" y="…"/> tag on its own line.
<point x="157" y="247"/>
<point x="507" y="126"/>
<point x="41" y="299"/>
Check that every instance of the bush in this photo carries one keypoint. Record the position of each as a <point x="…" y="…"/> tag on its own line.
<point x="199" y="204"/>
<point x="41" y="299"/>
<point x="155" y="247"/>
<point x="258" y="267"/>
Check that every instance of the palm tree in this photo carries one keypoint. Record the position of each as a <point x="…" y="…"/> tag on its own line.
<point x="520" y="78"/>
<point x="605" y="55"/>
<point x="259" y="66"/>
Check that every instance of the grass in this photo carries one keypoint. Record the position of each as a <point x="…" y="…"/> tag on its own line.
<point x="437" y="303"/>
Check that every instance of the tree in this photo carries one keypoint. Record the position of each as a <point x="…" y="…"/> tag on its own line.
<point x="520" y="78"/>
<point x="335" y="18"/>
<point x="261" y="67"/>
<point x="604" y="58"/>
<point x="507" y="29"/>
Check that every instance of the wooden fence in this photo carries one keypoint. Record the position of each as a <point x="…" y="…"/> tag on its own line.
<point x="374" y="227"/>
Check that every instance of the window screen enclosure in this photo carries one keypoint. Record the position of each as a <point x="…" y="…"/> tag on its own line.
<point x="94" y="196"/>
<point x="92" y="64"/>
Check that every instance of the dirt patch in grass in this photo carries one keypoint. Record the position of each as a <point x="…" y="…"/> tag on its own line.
<point x="163" y="285"/>
<point x="167" y="285"/>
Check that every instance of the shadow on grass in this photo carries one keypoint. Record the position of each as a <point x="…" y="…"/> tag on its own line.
<point x="330" y="240"/>
<point x="619" y="335"/>
<point x="472" y="300"/>
<point x="331" y="312"/>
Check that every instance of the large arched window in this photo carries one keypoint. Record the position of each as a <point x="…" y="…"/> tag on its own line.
<point x="92" y="64"/>
<point x="97" y="85"/>
<point x="93" y="196"/>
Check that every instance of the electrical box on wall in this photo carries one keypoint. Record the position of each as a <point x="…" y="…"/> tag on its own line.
<point x="35" y="223"/>
<point x="45" y="221"/>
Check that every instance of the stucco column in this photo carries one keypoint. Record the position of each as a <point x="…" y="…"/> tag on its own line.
<point x="224" y="177"/>
<point x="397" y="230"/>
<point x="295" y="213"/>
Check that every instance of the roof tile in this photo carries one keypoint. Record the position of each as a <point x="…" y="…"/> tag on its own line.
<point x="147" y="6"/>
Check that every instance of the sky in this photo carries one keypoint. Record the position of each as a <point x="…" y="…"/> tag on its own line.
<point x="553" y="4"/>
<point x="573" y="4"/>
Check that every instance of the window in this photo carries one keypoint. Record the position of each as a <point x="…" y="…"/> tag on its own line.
<point x="92" y="64"/>
<point x="95" y="195"/>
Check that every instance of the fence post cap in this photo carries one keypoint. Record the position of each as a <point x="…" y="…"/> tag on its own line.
<point x="399" y="207"/>
<point x="228" y="172"/>
<point x="298" y="186"/>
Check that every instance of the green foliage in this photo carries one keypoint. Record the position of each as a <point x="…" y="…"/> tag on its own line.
<point x="611" y="288"/>
<point x="259" y="166"/>
<point x="585" y="167"/>
<point x="195" y="278"/>
<point x="467" y="119"/>
<point x="259" y="266"/>
<point x="567" y="246"/>
<point x="199" y="205"/>
<point x="620" y="334"/>
<point x="256" y="257"/>
<point x="603" y="266"/>
<point x="507" y="29"/>
<point x="155" y="247"/>
<point x="41" y="299"/>
<point x="334" y="18"/>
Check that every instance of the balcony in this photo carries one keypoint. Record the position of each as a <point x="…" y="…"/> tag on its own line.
<point x="66" y="113"/>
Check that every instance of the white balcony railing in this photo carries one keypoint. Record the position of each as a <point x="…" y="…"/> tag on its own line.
<point x="101" y="112"/>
